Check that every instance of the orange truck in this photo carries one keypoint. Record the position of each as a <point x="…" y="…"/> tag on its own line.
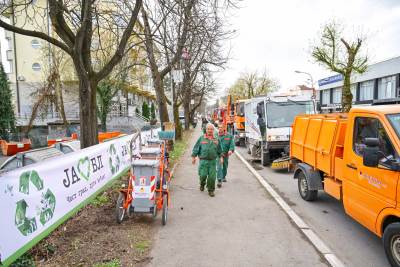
<point x="354" y="158"/>
<point x="239" y="126"/>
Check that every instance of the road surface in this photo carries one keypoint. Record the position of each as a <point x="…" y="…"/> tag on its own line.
<point x="351" y="242"/>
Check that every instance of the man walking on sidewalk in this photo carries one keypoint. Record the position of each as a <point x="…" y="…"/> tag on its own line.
<point x="208" y="149"/>
<point x="227" y="149"/>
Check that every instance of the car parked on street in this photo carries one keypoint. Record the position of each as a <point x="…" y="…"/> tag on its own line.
<point x="26" y="158"/>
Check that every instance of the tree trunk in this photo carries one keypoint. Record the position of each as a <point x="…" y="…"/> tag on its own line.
<point x="178" y="126"/>
<point x="347" y="97"/>
<point x="88" y="110"/>
<point x="162" y="103"/>
<point x="186" y="109"/>
<point x="103" y="119"/>
<point x="60" y="100"/>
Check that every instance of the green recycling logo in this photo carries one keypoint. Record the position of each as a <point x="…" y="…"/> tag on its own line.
<point x="114" y="159"/>
<point x="28" y="225"/>
<point x="84" y="168"/>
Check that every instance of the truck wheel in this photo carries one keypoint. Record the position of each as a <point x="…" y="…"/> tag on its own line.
<point x="305" y="192"/>
<point x="242" y="142"/>
<point x="248" y="149"/>
<point x="265" y="158"/>
<point x="391" y="243"/>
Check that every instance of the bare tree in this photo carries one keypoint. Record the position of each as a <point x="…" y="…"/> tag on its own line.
<point x="175" y="28"/>
<point x="341" y="56"/>
<point x="251" y="84"/>
<point x="205" y="56"/>
<point x="78" y="30"/>
<point x="159" y="41"/>
<point x="49" y="93"/>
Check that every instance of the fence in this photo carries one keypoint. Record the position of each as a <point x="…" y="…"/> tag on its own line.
<point x="34" y="200"/>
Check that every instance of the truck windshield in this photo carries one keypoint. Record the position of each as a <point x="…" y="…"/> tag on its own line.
<point x="281" y="114"/>
<point x="395" y="122"/>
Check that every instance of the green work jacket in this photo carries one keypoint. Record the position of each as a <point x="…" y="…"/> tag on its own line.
<point x="205" y="148"/>
<point x="227" y="143"/>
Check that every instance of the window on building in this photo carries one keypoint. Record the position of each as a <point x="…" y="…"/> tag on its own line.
<point x="366" y="90"/>
<point x="35" y="43"/>
<point x="353" y="89"/>
<point x="387" y="87"/>
<point x="326" y="97"/>
<point x="36" y="67"/>
<point x="337" y="95"/>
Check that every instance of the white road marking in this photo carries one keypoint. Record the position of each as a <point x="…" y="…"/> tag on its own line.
<point x="333" y="260"/>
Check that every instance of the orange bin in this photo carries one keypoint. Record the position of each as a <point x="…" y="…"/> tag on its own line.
<point x="12" y="148"/>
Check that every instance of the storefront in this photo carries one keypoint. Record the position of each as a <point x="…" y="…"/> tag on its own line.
<point x="379" y="84"/>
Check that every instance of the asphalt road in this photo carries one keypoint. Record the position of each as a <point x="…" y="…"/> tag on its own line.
<point x="241" y="226"/>
<point x="351" y="242"/>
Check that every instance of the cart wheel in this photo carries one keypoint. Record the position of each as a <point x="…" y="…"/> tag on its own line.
<point x="119" y="209"/>
<point x="165" y="209"/>
<point x="155" y="211"/>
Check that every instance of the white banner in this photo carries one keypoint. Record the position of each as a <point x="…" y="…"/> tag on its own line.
<point x="36" y="199"/>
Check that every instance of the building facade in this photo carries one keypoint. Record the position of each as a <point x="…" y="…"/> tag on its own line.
<point x="28" y="62"/>
<point x="380" y="83"/>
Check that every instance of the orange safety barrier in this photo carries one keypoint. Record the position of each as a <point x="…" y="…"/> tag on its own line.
<point x="108" y="135"/>
<point x="51" y="142"/>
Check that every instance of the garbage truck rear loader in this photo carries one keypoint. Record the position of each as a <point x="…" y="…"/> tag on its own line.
<point x="354" y="157"/>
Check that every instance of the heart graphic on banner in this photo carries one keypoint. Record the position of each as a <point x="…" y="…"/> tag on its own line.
<point x="84" y="165"/>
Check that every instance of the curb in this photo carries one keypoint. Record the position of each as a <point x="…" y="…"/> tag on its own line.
<point x="332" y="259"/>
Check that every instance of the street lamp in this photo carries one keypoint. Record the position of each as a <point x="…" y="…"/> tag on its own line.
<point x="311" y="78"/>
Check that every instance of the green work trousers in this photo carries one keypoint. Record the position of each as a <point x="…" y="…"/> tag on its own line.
<point x="222" y="169"/>
<point x="207" y="173"/>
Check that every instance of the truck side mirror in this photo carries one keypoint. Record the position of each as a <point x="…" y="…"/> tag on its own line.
<point x="260" y="109"/>
<point x="370" y="153"/>
<point x="371" y="142"/>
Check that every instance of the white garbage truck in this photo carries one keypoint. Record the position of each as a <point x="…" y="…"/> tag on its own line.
<point x="268" y="124"/>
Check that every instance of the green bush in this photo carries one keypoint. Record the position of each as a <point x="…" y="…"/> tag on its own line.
<point x="145" y="111"/>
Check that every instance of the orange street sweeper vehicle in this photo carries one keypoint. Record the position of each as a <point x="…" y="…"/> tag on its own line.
<point x="355" y="158"/>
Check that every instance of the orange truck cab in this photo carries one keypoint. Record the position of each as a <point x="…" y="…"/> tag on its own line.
<point x="355" y="158"/>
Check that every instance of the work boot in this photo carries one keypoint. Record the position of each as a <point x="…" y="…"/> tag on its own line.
<point x="224" y="180"/>
<point x="219" y="184"/>
<point x="211" y="193"/>
<point x="201" y="187"/>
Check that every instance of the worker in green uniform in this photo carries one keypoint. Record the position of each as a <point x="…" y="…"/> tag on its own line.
<point x="227" y="149"/>
<point x="208" y="149"/>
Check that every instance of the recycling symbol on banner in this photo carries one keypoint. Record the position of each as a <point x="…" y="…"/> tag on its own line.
<point x="28" y="225"/>
<point x="114" y="159"/>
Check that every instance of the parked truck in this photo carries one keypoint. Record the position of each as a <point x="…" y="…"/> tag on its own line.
<point x="268" y="123"/>
<point x="239" y="123"/>
<point x="354" y="158"/>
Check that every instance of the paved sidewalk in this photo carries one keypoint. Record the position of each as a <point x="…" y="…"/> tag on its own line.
<point x="240" y="226"/>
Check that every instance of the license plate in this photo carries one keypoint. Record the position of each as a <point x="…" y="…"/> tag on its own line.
<point x="280" y="165"/>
